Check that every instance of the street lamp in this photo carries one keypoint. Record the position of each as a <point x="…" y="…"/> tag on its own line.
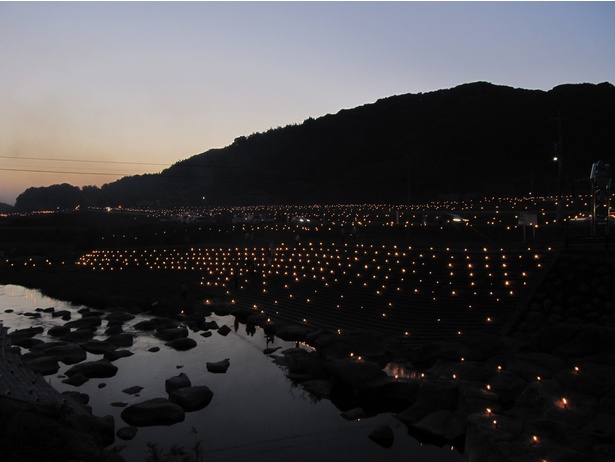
<point x="560" y="205"/>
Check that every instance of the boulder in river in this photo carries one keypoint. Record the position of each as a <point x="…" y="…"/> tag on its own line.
<point x="224" y="330"/>
<point x="123" y="339"/>
<point x="69" y="353"/>
<point x="114" y="330"/>
<point x="58" y="331"/>
<point x="157" y="411"/>
<point x="292" y="333"/>
<point x="219" y="367"/>
<point x="119" y="316"/>
<point x="172" y="334"/>
<point x="182" y="344"/>
<point x="117" y="354"/>
<point x="94" y="369"/>
<point x="179" y="381"/>
<point x="382" y="435"/>
<point x="28" y="332"/>
<point x="61" y="314"/>
<point x="79" y="335"/>
<point x="97" y="347"/>
<point x="132" y="390"/>
<point x="76" y="380"/>
<point x="147" y="324"/>
<point x="127" y="433"/>
<point x="210" y="325"/>
<point x="191" y="398"/>
<point x="92" y="322"/>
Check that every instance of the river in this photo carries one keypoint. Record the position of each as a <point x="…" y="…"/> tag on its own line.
<point x="256" y="413"/>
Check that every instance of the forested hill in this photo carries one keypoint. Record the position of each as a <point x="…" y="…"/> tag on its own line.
<point x="476" y="138"/>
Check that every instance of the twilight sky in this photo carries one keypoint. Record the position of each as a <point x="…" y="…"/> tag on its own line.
<point x="96" y="91"/>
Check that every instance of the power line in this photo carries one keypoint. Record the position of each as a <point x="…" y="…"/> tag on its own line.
<point x="84" y="160"/>
<point x="63" y="172"/>
<point x="163" y="177"/>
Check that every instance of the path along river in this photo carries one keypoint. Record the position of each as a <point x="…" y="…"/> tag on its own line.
<point x="256" y="412"/>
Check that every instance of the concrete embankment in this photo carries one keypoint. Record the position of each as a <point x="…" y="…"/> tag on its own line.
<point x="39" y="423"/>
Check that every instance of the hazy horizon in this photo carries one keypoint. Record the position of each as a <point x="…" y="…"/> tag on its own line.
<point x="95" y="91"/>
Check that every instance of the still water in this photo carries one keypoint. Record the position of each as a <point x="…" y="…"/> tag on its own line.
<point x="256" y="413"/>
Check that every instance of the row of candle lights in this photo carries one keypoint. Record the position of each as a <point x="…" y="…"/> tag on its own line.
<point x="378" y="211"/>
<point x="382" y="214"/>
<point x="385" y="279"/>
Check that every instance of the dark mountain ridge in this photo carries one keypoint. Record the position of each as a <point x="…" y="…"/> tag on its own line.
<point x="474" y="139"/>
<point x="5" y="208"/>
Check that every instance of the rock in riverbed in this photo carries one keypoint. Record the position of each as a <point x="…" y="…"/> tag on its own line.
<point x="182" y="344"/>
<point x="157" y="411"/>
<point x="179" y="381"/>
<point x="219" y="367"/>
<point x="94" y="369"/>
<point x="191" y="398"/>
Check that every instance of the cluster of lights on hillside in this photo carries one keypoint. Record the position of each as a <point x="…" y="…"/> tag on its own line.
<point x="490" y="211"/>
<point x="395" y="288"/>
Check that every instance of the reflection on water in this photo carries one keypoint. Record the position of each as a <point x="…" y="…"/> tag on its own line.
<point x="400" y="371"/>
<point x="255" y="413"/>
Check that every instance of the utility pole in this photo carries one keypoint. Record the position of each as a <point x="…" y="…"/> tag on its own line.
<point x="560" y="160"/>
